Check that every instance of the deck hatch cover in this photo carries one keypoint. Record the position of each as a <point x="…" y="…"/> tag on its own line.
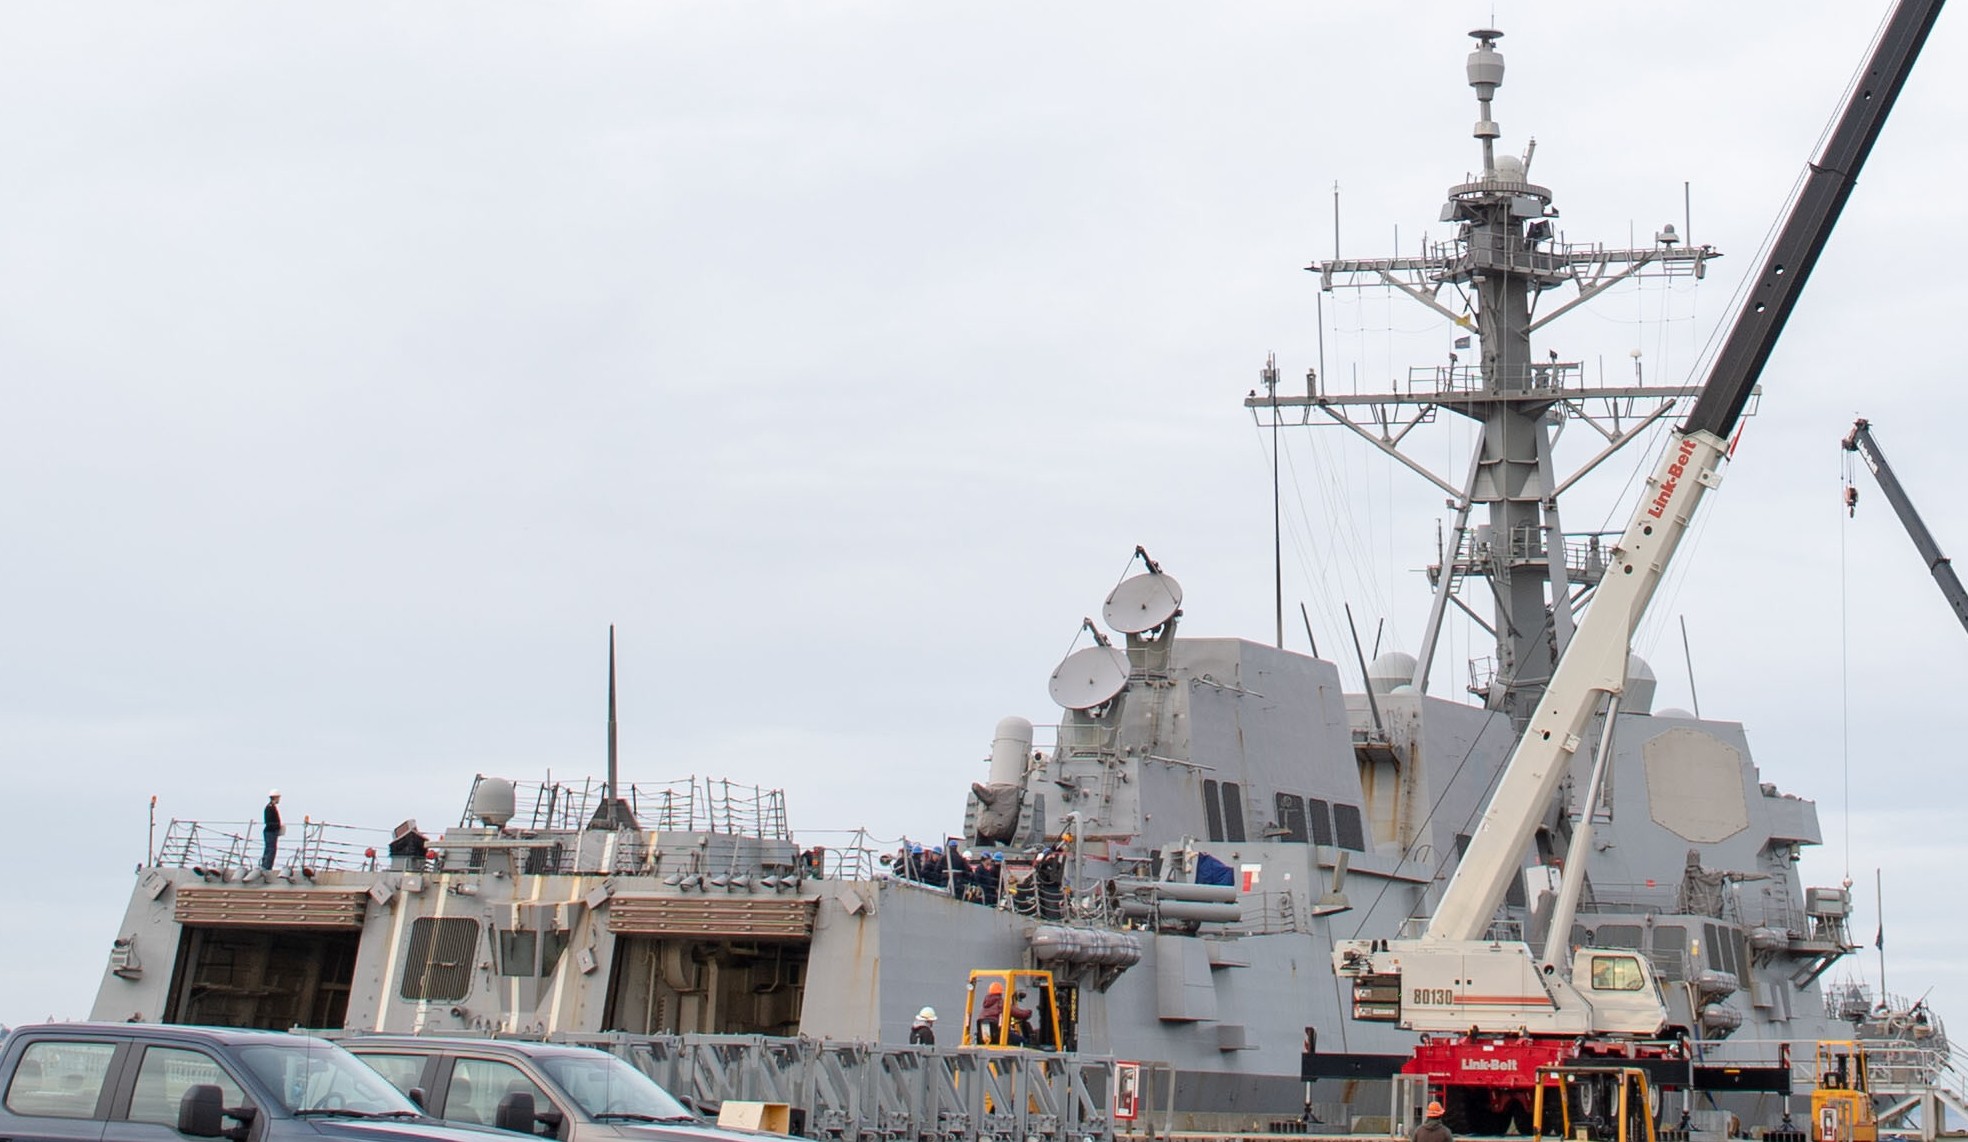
<point x="270" y="908"/>
<point x="757" y="917"/>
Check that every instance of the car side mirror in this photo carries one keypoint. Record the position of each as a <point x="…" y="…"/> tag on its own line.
<point x="416" y="1094"/>
<point x="515" y="1113"/>
<point x="202" y="1113"/>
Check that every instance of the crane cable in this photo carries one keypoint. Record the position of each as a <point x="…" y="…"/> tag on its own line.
<point x="1849" y="501"/>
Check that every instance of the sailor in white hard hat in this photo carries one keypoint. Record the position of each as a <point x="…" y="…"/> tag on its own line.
<point x="270" y="829"/>
<point x="923" y="1031"/>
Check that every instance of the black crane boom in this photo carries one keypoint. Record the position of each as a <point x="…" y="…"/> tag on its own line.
<point x="1827" y="185"/>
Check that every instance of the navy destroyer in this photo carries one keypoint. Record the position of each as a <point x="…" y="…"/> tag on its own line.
<point x="1171" y="861"/>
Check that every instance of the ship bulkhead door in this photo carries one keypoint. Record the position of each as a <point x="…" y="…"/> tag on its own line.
<point x="273" y="958"/>
<point x="720" y="965"/>
<point x="268" y="978"/>
<point x="673" y="985"/>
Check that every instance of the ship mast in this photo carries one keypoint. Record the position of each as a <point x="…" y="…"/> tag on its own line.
<point x="1504" y="256"/>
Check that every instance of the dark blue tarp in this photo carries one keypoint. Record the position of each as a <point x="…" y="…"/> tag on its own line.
<point x="1210" y="870"/>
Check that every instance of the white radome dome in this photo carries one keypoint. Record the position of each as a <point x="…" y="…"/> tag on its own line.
<point x="1394" y="668"/>
<point x="1640" y="686"/>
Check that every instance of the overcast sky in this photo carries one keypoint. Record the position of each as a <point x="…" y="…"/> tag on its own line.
<point x="363" y="362"/>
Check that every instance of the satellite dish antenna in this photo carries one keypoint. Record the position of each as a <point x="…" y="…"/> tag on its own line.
<point x="1089" y="677"/>
<point x="1142" y="603"/>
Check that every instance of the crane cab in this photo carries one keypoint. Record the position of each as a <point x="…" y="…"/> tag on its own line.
<point x="1621" y="989"/>
<point x="1841" y="1100"/>
<point x="1594" y="1104"/>
<point x="1019" y="1008"/>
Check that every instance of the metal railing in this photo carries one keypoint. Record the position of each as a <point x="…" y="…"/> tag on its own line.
<point x="689" y="805"/>
<point x="1585" y="552"/>
<point x="1449" y="381"/>
<point x="1269" y="914"/>
<point x="1900" y="1064"/>
<point x="312" y="845"/>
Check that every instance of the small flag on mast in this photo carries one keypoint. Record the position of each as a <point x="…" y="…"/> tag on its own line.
<point x="1462" y="342"/>
<point x="1879" y="936"/>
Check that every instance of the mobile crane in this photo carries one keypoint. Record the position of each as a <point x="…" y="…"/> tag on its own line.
<point x="1499" y="1009"/>
<point x="1860" y="440"/>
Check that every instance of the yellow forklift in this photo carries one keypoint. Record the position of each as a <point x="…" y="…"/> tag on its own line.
<point x="1841" y="1102"/>
<point x="1587" y="1103"/>
<point x="1016" y="1007"/>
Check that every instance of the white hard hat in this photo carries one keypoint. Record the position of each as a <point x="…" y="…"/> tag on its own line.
<point x="273" y="793"/>
<point x="926" y="1015"/>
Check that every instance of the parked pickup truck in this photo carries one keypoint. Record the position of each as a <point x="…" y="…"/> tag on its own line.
<point x="573" y="1094"/>
<point x="141" y="1082"/>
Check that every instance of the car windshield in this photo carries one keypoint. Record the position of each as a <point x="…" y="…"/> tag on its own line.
<point x="313" y="1077"/>
<point x="604" y="1085"/>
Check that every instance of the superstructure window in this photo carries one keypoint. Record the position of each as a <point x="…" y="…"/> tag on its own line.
<point x="1718" y="949"/>
<point x="1291" y="817"/>
<point x="552" y="943"/>
<point x="1726" y="949"/>
<point x="529" y="952"/>
<point x="438" y="964"/>
<point x="519" y="951"/>
<point x="1212" y="810"/>
<point x="1617" y="936"/>
<point x="1670" y="951"/>
<point x="1319" y="816"/>
<point x="1348" y="829"/>
<point x="1233" y="811"/>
